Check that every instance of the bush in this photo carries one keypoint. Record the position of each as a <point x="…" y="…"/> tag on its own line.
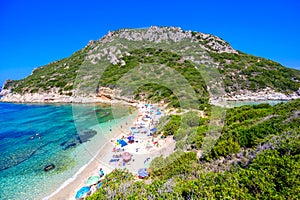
<point x="173" y="125"/>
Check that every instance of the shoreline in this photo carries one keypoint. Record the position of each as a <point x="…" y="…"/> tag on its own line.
<point x="68" y="188"/>
<point x="101" y="159"/>
<point x="106" y="95"/>
<point x="71" y="185"/>
<point x="237" y="103"/>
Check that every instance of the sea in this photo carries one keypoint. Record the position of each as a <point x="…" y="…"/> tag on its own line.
<point x="231" y="104"/>
<point x="33" y="136"/>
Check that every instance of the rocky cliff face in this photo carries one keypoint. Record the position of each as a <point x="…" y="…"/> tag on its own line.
<point x="91" y="73"/>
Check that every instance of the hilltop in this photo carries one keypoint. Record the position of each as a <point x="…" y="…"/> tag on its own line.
<point x="149" y="59"/>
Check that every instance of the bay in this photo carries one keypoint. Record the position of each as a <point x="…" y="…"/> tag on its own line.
<point x="35" y="135"/>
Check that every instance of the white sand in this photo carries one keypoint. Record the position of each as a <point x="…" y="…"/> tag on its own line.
<point x="145" y="146"/>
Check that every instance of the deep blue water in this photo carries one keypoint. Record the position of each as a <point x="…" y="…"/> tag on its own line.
<point x="34" y="135"/>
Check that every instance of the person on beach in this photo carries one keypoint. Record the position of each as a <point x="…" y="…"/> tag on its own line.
<point x="93" y="189"/>
<point x="101" y="173"/>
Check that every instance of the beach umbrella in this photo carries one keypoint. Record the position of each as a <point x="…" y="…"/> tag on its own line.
<point x="93" y="180"/>
<point x="126" y="156"/>
<point x="131" y="138"/>
<point x="99" y="185"/>
<point x="147" y="165"/>
<point x="82" y="192"/>
<point x="143" y="172"/>
<point x="123" y="143"/>
<point x="153" y="129"/>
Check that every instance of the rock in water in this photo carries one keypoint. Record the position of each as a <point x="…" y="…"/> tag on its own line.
<point x="49" y="167"/>
<point x="85" y="135"/>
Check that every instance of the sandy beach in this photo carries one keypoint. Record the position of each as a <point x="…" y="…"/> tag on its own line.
<point x="143" y="150"/>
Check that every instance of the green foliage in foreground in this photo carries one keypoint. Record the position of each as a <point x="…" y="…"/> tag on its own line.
<point x="249" y="126"/>
<point x="273" y="172"/>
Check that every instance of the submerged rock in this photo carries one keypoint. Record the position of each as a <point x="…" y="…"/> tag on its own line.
<point x="70" y="145"/>
<point x="85" y="135"/>
<point x="49" y="167"/>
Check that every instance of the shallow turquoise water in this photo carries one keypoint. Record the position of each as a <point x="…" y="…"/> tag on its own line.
<point x="242" y="103"/>
<point x="34" y="135"/>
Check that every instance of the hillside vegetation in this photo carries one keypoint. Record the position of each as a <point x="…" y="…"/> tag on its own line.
<point x="191" y="54"/>
<point x="159" y="62"/>
<point x="60" y="75"/>
<point x="244" y="71"/>
<point x="256" y="157"/>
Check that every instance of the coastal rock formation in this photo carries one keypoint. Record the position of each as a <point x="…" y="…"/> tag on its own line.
<point x="105" y="95"/>
<point x="264" y="94"/>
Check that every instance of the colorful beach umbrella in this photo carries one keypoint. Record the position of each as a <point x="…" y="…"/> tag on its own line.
<point x="143" y="172"/>
<point x="153" y="129"/>
<point x="99" y="185"/>
<point x="93" y="180"/>
<point x="131" y="137"/>
<point x="82" y="192"/>
<point x="126" y="156"/>
<point x="123" y="143"/>
<point x="147" y="165"/>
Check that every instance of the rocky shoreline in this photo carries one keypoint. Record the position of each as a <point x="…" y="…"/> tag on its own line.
<point x="108" y="97"/>
<point x="105" y="95"/>
<point x="263" y="95"/>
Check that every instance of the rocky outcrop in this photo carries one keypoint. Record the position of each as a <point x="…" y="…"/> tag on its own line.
<point x="155" y="35"/>
<point x="35" y="98"/>
<point x="264" y="94"/>
<point x="4" y="92"/>
<point x="104" y="95"/>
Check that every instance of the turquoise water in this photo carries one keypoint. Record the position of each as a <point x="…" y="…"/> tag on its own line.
<point x="34" y="135"/>
<point x="242" y="103"/>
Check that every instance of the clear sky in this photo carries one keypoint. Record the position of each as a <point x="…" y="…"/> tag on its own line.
<point x="36" y="32"/>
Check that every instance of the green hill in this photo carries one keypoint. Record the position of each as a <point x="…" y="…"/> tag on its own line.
<point x="208" y="65"/>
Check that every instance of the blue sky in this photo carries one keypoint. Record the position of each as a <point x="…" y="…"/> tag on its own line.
<point x="34" y="33"/>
